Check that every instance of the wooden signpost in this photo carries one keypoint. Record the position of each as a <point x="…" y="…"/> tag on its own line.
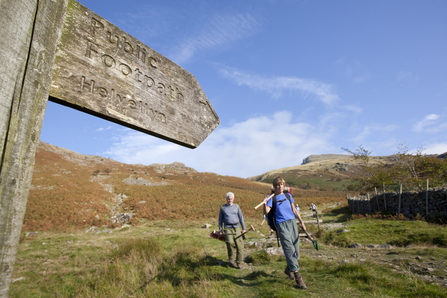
<point x="101" y="70"/>
<point x="62" y="51"/>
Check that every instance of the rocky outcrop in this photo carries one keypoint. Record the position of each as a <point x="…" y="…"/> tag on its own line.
<point x="321" y="157"/>
<point x="175" y="166"/>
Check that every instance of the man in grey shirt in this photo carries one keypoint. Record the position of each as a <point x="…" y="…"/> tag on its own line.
<point x="230" y="215"/>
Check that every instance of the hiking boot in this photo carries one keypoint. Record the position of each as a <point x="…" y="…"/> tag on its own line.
<point x="289" y="273"/>
<point x="231" y="261"/>
<point x="240" y="266"/>
<point x="299" y="281"/>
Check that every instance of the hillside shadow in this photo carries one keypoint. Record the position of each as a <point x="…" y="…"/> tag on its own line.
<point x="340" y="214"/>
<point x="249" y="280"/>
<point x="200" y="268"/>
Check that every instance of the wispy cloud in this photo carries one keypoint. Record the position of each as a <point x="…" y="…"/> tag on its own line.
<point x="424" y="123"/>
<point x="373" y="128"/>
<point x="221" y="30"/>
<point x="243" y="149"/>
<point x="102" y="128"/>
<point x="354" y="109"/>
<point x="406" y="78"/>
<point x="436" y="148"/>
<point x="277" y="85"/>
<point x="354" y="70"/>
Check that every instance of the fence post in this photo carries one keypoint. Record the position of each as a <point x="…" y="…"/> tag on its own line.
<point x="377" y="200"/>
<point x="426" y="201"/>
<point x="318" y="220"/>
<point x="400" y="195"/>
<point x="384" y="199"/>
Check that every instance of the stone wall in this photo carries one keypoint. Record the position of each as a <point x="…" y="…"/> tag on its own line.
<point x="432" y="202"/>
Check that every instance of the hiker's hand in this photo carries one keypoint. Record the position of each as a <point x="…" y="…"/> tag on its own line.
<point x="266" y="199"/>
<point x="243" y="232"/>
<point x="303" y="225"/>
<point x="220" y="232"/>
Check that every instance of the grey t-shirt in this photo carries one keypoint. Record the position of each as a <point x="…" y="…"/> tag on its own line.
<point x="231" y="216"/>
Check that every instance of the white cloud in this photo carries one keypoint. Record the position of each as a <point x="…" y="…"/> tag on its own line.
<point x="102" y="128"/>
<point x="221" y="30"/>
<point x="436" y="148"/>
<point x="277" y="85"/>
<point x="244" y="149"/>
<point x="354" y="109"/>
<point x="370" y="129"/>
<point x="427" y="121"/>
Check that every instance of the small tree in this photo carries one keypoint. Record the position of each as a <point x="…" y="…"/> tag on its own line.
<point x="359" y="153"/>
<point x="412" y="170"/>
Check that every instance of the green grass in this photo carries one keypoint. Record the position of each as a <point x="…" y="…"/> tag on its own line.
<point x="178" y="259"/>
<point x="397" y="232"/>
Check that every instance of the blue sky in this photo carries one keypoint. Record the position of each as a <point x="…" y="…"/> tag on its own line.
<point x="287" y="78"/>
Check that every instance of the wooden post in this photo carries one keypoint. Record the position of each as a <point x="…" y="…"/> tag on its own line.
<point x="400" y="196"/>
<point x="384" y="199"/>
<point x="377" y="200"/>
<point x="426" y="200"/>
<point x="369" y="203"/>
<point x="28" y="39"/>
<point x="318" y="220"/>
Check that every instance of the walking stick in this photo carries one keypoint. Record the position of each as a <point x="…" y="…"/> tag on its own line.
<point x="262" y="203"/>
<point x="314" y="242"/>
<point x="243" y="235"/>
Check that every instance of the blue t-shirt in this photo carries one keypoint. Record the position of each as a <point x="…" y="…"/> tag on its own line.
<point x="283" y="208"/>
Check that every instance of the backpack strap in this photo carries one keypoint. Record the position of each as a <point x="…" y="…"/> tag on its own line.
<point x="274" y="216"/>
<point x="288" y="197"/>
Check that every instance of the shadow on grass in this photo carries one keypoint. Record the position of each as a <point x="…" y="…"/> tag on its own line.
<point x="190" y="271"/>
<point x="253" y="279"/>
<point x="341" y="214"/>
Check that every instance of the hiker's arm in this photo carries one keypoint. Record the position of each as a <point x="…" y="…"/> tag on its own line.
<point x="220" y="220"/>
<point x="241" y="220"/>
<point x="298" y="216"/>
<point x="266" y="208"/>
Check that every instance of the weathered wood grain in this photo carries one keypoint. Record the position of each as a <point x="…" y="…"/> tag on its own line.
<point x="29" y="33"/>
<point x="102" y="70"/>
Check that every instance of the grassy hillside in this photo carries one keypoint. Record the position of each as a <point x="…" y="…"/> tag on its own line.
<point x="177" y="258"/>
<point x="71" y="191"/>
<point x="166" y="252"/>
<point x="326" y="172"/>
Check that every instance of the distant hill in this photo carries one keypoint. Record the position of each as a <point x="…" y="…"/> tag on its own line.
<point x="335" y="172"/>
<point x="71" y="191"/>
<point x="324" y="157"/>
<point x="326" y="172"/>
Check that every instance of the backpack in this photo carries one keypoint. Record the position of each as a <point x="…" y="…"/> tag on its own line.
<point x="271" y="220"/>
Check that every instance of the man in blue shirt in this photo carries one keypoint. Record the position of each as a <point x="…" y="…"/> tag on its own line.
<point x="230" y="215"/>
<point x="287" y="229"/>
